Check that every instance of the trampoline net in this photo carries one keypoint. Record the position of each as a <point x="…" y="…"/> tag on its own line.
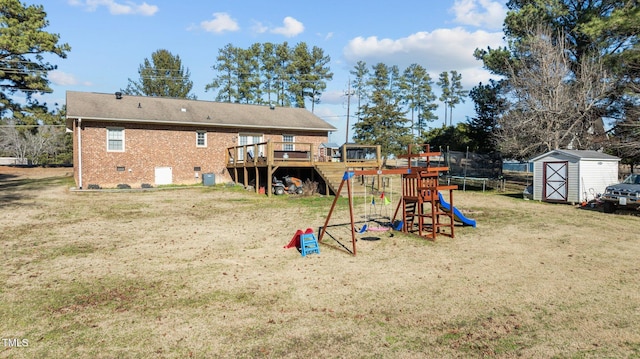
<point x="470" y="164"/>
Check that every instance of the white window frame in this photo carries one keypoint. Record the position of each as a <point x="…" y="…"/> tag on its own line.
<point x="198" y="133"/>
<point x="111" y="130"/>
<point x="288" y="145"/>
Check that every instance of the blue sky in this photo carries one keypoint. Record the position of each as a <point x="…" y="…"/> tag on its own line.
<point x="109" y="40"/>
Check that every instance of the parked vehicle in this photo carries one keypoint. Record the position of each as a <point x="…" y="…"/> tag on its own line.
<point x="288" y="184"/>
<point x="622" y="195"/>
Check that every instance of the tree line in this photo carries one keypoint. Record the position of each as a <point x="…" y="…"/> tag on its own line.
<point x="568" y="68"/>
<point x="271" y="74"/>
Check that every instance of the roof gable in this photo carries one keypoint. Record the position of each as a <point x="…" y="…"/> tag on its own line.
<point x="579" y="155"/>
<point x="160" y="110"/>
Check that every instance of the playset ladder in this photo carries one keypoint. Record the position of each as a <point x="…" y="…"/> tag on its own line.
<point x="409" y="214"/>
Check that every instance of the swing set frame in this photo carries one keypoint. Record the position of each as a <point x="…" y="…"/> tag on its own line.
<point x="346" y="178"/>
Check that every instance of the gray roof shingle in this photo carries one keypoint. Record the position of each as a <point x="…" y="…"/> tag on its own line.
<point x="160" y="110"/>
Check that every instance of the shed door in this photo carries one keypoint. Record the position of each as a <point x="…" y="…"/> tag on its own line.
<point x="164" y="175"/>
<point x="555" y="181"/>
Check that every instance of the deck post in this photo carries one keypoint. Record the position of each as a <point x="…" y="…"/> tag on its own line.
<point x="257" y="179"/>
<point x="311" y="154"/>
<point x="269" y="180"/>
<point x="269" y="153"/>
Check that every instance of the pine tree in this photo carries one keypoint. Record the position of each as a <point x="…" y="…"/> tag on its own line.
<point x="383" y="121"/>
<point x="163" y="75"/>
<point x="418" y="96"/>
<point x="320" y="73"/>
<point x="227" y="67"/>
<point x="24" y="46"/>
<point x="445" y="85"/>
<point x="489" y="106"/>
<point x="268" y="67"/>
<point x="360" y="73"/>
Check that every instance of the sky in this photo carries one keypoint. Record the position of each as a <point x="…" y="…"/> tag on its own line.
<point x="110" y="39"/>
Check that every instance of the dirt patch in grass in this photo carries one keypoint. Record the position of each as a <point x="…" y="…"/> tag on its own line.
<point x="202" y="272"/>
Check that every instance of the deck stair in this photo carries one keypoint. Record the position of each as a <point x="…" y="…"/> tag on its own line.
<point x="332" y="174"/>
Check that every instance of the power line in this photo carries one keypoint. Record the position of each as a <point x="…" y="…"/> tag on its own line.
<point x="26" y="90"/>
<point x="12" y="126"/>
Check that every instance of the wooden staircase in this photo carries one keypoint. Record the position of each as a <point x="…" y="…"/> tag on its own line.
<point x="333" y="172"/>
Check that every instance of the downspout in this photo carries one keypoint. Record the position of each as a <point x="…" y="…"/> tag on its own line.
<point x="79" y="153"/>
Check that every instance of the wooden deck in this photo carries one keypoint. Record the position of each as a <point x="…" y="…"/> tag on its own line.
<point x="259" y="162"/>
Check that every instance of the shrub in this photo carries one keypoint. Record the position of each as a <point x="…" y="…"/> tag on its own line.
<point x="309" y="187"/>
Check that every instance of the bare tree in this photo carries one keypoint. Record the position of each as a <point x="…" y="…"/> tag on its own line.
<point x="11" y="142"/>
<point x="31" y="145"/>
<point x="552" y="104"/>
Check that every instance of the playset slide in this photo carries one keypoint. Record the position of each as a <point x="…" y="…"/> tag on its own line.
<point x="295" y="241"/>
<point x="457" y="215"/>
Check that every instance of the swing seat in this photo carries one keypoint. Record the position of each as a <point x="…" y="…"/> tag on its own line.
<point x="363" y="229"/>
<point x="378" y="229"/>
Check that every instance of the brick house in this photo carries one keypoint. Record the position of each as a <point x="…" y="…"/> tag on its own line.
<point x="137" y="140"/>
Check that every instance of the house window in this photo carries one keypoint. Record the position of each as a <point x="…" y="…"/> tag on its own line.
<point x="288" y="146"/>
<point x="115" y="139"/>
<point x="201" y="139"/>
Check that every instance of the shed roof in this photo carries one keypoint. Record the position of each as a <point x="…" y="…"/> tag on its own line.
<point x="580" y="155"/>
<point x="162" y="110"/>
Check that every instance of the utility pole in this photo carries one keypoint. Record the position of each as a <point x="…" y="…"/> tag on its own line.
<point x="349" y="94"/>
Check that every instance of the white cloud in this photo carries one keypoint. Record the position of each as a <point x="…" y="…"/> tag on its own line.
<point x="62" y="79"/>
<point x="334" y="97"/>
<point x="146" y="9"/>
<point x="116" y="8"/>
<point x="437" y="51"/>
<point x="491" y="15"/>
<point x="259" y="28"/>
<point x="327" y="113"/>
<point x="221" y="22"/>
<point x="291" y="28"/>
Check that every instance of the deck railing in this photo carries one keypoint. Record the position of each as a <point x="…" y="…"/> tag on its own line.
<point x="279" y="153"/>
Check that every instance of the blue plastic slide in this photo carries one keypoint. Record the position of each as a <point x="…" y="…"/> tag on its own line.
<point x="457" y="215"/>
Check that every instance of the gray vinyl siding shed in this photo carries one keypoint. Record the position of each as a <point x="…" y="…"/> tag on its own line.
<point x="572" y="176"/>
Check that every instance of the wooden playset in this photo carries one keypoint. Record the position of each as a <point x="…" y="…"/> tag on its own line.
<point x="420" y="201"/>
<point x="424" y="209"/>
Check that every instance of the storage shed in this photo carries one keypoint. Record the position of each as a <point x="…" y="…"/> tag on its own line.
<point x="572" y="176"/>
